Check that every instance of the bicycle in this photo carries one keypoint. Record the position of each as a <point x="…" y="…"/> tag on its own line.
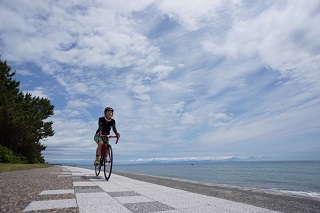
<point x="106" y="157"/>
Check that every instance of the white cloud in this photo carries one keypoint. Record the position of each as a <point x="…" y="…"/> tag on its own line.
<point x="72" y="136"/>
<point x="190" y="118"/>
<point x="162" y="71"/>
<point x="25" y="73"/>
<point x="190" y="14"/>
<point x="219" y="119"/>
<point x="38" y="92"/>
<point x="169" y="86"/>
<point x="213" y="74"/>
<point x="80" y="88"/>
<point x="284" y="47"/>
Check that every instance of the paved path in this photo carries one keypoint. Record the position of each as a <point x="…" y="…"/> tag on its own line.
<point x="124" y="195"/>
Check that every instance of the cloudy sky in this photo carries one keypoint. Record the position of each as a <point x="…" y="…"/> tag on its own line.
<point x="187" y="79"/>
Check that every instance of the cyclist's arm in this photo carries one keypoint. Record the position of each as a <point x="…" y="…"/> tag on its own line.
<point x="100" y="126"/>
<point x="114" y="129"/>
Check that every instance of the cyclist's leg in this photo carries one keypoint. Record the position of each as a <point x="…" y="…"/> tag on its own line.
<point x="99" y="146"/>
<point x="98" y="150"/>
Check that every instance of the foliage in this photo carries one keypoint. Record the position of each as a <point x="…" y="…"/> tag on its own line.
<point x="22" y="118"/>
<point x="7" y="156"/>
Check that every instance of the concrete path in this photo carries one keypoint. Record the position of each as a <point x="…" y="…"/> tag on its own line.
<point x="124" y="195"/>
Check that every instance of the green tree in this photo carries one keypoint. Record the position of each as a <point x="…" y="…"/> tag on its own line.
<point x="22" y="118"/>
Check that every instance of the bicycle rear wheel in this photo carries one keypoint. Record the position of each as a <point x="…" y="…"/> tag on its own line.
<point x="108" y="162"/>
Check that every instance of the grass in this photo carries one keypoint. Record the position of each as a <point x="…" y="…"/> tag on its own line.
<point x="8" y="167"/>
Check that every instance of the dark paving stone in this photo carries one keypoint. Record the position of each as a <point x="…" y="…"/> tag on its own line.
<point x="147" y="207"/>
<point x="123" y="194"/>
<point x="87" y="190"/>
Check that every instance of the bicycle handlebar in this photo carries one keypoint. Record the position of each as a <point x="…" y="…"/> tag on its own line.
<point x="110" y="136"/>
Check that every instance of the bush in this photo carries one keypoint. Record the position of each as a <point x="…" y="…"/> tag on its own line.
<point x="7" y="156"/>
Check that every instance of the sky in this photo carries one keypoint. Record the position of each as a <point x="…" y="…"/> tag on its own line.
<point x="188" y="80"/>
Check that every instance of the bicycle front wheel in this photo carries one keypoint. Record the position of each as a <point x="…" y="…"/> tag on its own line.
<point x="108" y="162"/>
<point x="97" y="169"/>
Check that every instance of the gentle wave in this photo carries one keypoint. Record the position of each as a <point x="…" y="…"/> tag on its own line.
<point x="300" y="193"/>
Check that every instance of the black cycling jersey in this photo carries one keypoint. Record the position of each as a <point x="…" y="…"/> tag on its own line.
<point x="105" y="126"/>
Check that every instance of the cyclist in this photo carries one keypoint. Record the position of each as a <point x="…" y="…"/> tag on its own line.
<point x="105" y="124"/>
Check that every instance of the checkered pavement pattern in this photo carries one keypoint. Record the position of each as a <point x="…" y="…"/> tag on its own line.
<point x="124" y="195"/>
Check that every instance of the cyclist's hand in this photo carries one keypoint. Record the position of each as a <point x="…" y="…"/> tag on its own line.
<point x="118" y="135"/>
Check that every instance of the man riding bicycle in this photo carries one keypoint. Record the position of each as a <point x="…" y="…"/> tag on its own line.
<point x="105" y="124"/>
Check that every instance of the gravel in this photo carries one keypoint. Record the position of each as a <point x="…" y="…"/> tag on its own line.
<point x="19" y="188"/>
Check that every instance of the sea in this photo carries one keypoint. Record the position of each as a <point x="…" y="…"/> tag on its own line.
<point x="293" y="177"/>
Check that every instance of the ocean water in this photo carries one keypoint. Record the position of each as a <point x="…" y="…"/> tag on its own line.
<point x="297" y="177"/>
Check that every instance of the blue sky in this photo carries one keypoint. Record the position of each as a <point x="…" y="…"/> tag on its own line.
<point x="189" y="80"/>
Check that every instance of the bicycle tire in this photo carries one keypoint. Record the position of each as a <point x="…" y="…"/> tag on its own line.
<point x="108" y="162"/>
<point x="97" y="169"/>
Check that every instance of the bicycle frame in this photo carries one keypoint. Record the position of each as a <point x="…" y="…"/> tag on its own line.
<point x="106" y="158"/>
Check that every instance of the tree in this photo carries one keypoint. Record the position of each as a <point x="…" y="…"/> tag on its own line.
<point x="22" y="118"/>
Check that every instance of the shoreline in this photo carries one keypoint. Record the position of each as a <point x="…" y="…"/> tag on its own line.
<point x="245" y="188"/>
<point x="274" y="200"/>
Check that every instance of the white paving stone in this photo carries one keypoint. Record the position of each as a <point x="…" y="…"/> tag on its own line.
<point x="77" y="174"/>
<point x="117" y="208"/>
<point x="178" y="202"/>
<point x="154" y="195"/>
<point x="206" y="200"/>
<point x="133" y="199"/>
<point x="55" y="192"/>
<point x="169" y="211"/>
<point x="99" y="204"/>
<point x="84" y="184"/>
<point x="245" y="208"/>
<point x="92" y="195"/>
<point x="167" y="189"/>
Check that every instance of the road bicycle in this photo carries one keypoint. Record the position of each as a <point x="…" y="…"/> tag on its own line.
<point x="106" y="157"/>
